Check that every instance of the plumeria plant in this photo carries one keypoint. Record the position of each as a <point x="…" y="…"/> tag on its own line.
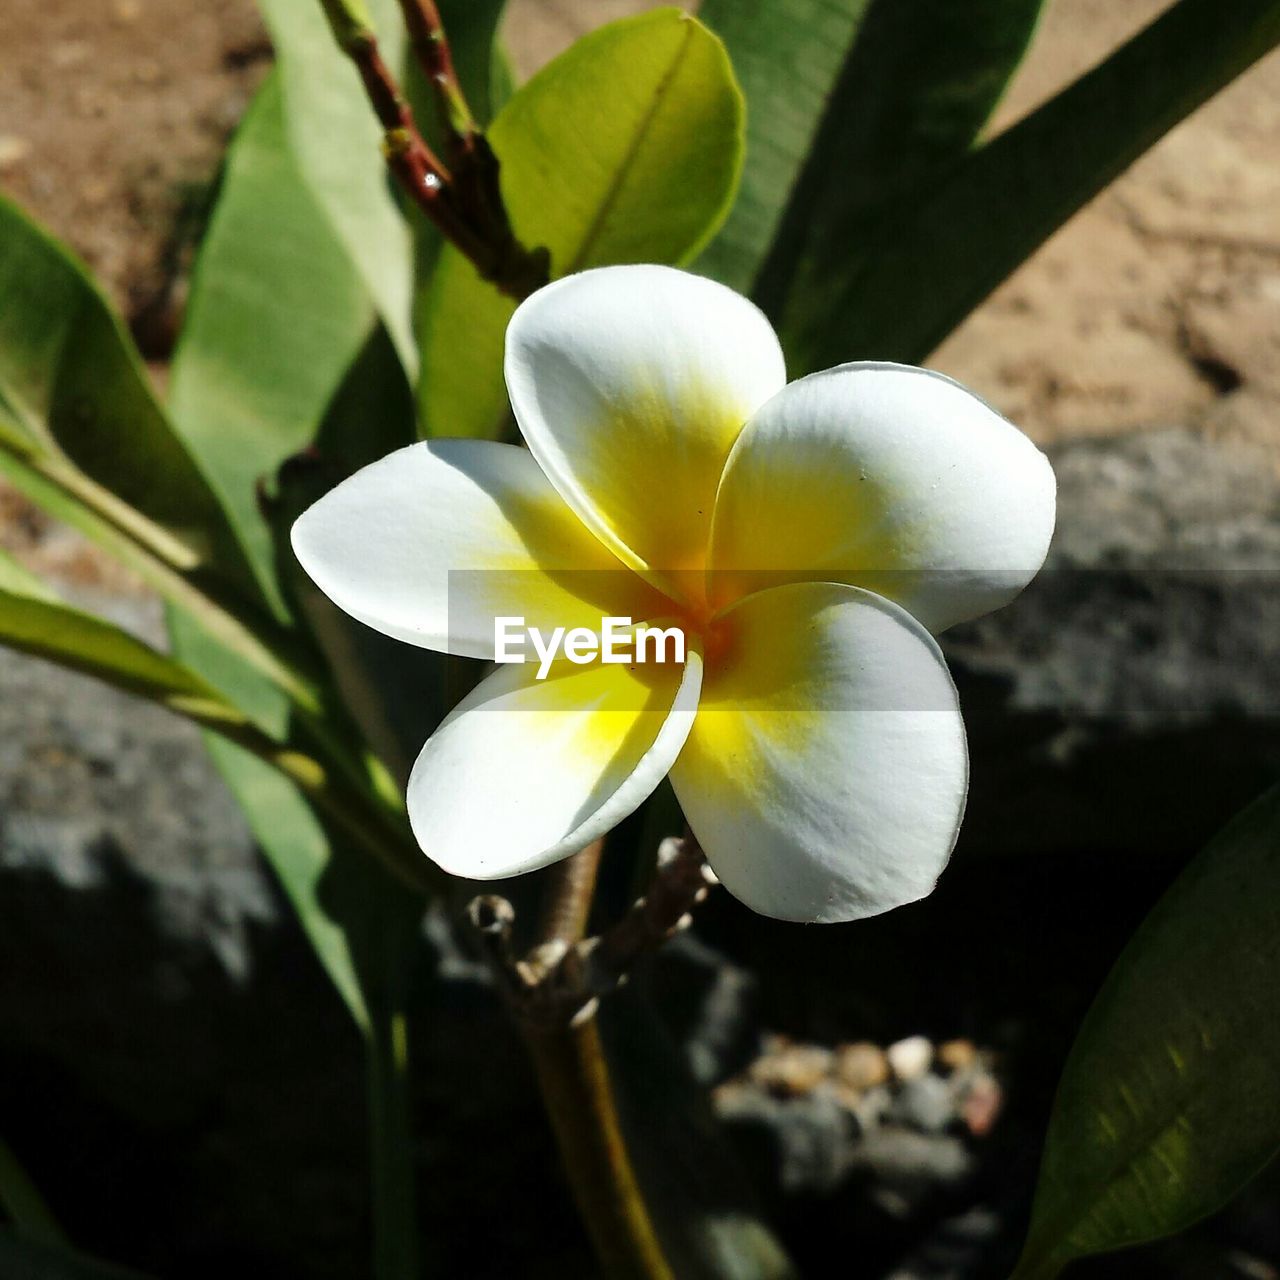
<point x="598" y="397"/>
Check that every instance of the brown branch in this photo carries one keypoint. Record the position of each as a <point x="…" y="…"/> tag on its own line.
<point x="466" y="206"/>
<point x="682" y="881"/>
<point x="430" y="45"/>
<point x="554" y="992"/>
<point x="569" y="899"/>
<point x="573" y="1077"/>
<point x="564" y="974"/>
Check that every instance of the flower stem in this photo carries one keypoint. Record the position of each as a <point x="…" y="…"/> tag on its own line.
<point x="574" y="1079"/>
<point x="554" y="993"/>
<point x="573" y="1076"/>
<point x="466" y="205"/>
<point x="431" y="47"/>
<point x="568" y="905"/>
<point x="391" y="1152"/>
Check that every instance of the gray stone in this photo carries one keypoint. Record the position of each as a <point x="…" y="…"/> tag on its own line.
<point x="905" y="1168"/>
<point x="806" y="1142"/>
<point x="927" y="1104"/>
<point x="162" y="1015"/>
<point x="708" y="1005"/>
<point x="1127" y="699"/>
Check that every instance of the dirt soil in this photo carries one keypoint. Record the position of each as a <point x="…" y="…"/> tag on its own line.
<point x="1158" y="304"/>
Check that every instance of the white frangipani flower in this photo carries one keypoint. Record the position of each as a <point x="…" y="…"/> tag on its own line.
<point x="809" y="538"/>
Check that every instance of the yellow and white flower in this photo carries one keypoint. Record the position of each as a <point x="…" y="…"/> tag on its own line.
<point x="811" y="539"/>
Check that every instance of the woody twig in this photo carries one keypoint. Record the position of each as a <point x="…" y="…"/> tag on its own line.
<point x="463" y="198"/>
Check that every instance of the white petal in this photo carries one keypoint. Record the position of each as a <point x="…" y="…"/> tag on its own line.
<point x="892" y="478"/>
<point x="434" y="541"/>
<point x="630" y="385"/>
<point x="826" y="771"/>
<point x="525" y="772"/>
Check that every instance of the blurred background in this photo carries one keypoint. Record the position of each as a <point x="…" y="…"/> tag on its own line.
<point x="167" y="1042"/>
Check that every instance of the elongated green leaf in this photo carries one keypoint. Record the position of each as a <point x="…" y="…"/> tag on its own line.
<point x="302" y="855"/>
<point x="921" y="81"/>
<point x="347" y="904"/>
<point x="82" y="436"/>
<point x="787" y="55"/>
<point x="922" y="271"/>
<point x="626" y="148"/>
<point x="336" y="142"/>
<point x="33" y="621"/>
<point x="281" y="351"/>
<point x="276" y="316"/>
<point x="167" y="565"/>
<point x="393" y="691"/>
<point x="1170" y="1100"/>
<point x="362" y="924"/>
<point x="19" y="580"/>
<point x="354" y="915"/>
<point x="74" y="401"/>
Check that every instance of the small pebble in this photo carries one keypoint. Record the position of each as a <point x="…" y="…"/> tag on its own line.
<point x="848" y="1099"/>
<point x="13" y="150"/>
<point x="95" y="191"/>
<point x="873" y="1107"/>
<point x="790" y="1070"/>
<point x="69" y="53"/>
<point x="980" y="1108"/>
<point x="861" y="1066"/>
<point x="911" y="1058"/>
<point x="957" y="1055"/>
<point x="926" y="1104"/>
<point x="1246" y="1265"/>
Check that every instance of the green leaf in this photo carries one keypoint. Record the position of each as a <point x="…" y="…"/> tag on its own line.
<point x="19" y="580"/>
<point x="76" y="409"/>
<point x="82" y="436"/>
<point x="787" y="55"/>
<point x="280" y="351"/>
<point x="344" y="900"/>
<point x="306" y="860"/>
<point x="276" y="316"/>
<point x="471" y="26"/>
<point x="626" y="148"/>
<point x="921" y="271"/>
<point x="33" y="621"/>
<point x="336" y="142"/>
<point x="921" y="81"/>
<point x="362" y="924"/>
<point x="502" y="78"/>
<point x="1170" y="1099"/>
<point x="394" y="692"/>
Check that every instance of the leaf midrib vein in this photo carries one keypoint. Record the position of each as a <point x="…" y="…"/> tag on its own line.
<point x="622" y="172"/>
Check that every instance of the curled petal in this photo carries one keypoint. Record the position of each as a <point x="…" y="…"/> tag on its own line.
<point x="826" y="772"/>
<point x="630" y="385"/>
<point x="434" y="541"/>
<point x="525" y="772"/>
<point x="890" y="478"/>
